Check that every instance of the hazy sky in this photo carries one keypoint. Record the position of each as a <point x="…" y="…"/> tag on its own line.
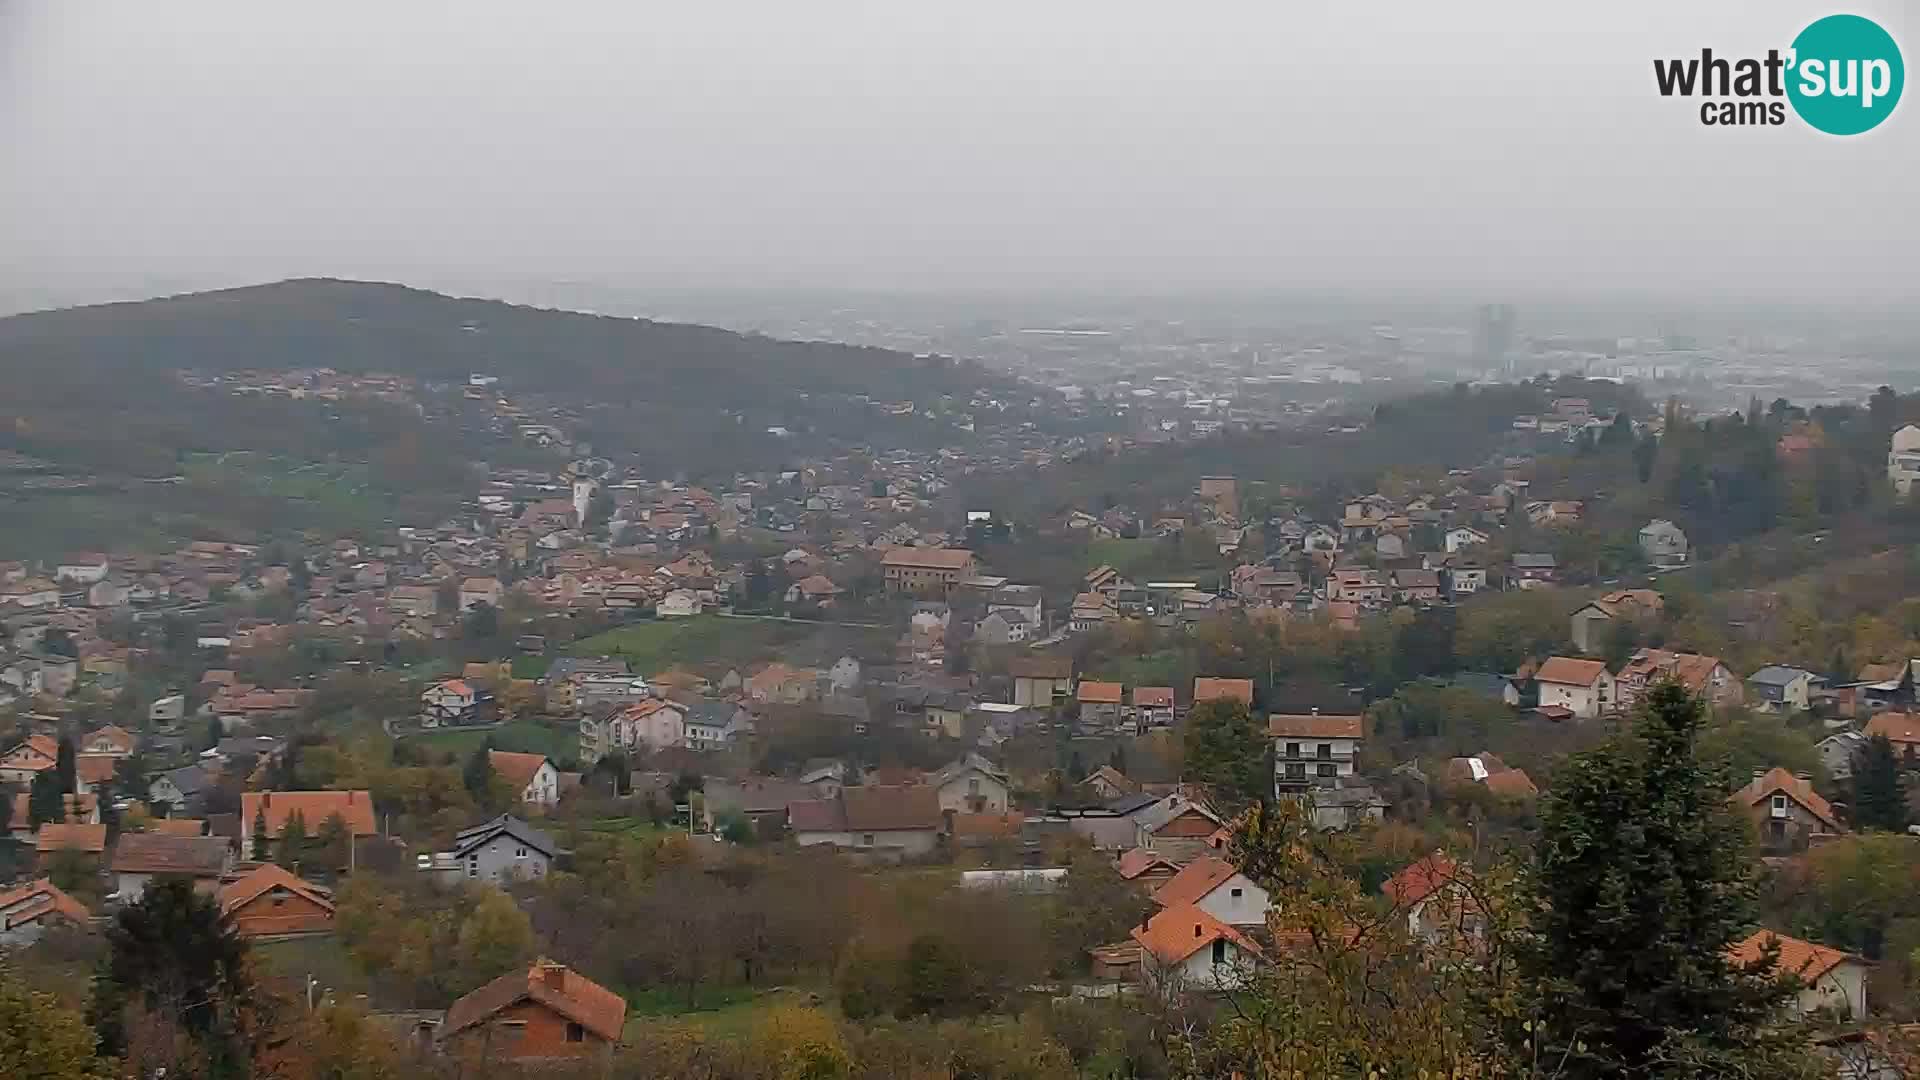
<point x="1394" y="144"/>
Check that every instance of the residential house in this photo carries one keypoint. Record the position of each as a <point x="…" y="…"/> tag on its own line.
<point x="925" y="570"/>
<point x="449" y="701"/>
<point x="677" y="604"/>
<point x="1663" y="543"/>
<point x="82" y="569"/>
<point x="1109" y="783"/>
<point x="1416" y="586"/>
<point x="95" y="772"/>
<point x="1153" y="707"/>
<point x="1218" y="888"/>
<point x="475" y="591"/>
<point x="1313" y="749"/>
<point x="80" y="810"/>
<point x="1462" y="536"/>
<point x="29" y="593"/>
<point x="813" y="589"/>
<point x="544" y="1013"/>
<point x="139" y="858"/>
<point x="1345" y="804"/>
<point x="1704" y="676"/>
<point x="276" y="808"/>
<point x="30" y="757"/>
<point x="1487" y="770"/>
<point x="761" y="800"/>
<point x="85" y="839"/>
<point x="269" y="902"/>
<point x="1780" y="689"/>
<point x="499" y="851"/>
<point x="532" y="777"/>
<point x="1787" y="813"/>
<point x="109" y="741"/>
<point x="1529" y="570"/>
<point x="1100" y="703"/>
<point x="713" y="725"/>
<point x="651" y="724"/>
<point x="894" y="821"/>
<point x="1185" y="949"/>
<point x="414" y="601"/>
<point x="1585" y="688"/>
<point x="1838" y="753"/>
<point x="1041" y="680"/>
<point x="179" y="790"/>
<point x="1003" y="628"/>
<point x="782" y="684"/>
<point x="973" y="785"/>
<point x="1175" y="826"/>
<point x="168" y="710"/>
<point x="594" y="691"/>
<point x="1358" y="585"/>
<point x="1464" y="577"/>
<point x="1206" y="688"/>
<point x="1146" y="868"/>
<point x="1830" y="981"/>
<point x="1091" y="610"/>
<point x="1435" y="895"/>
<point x="1024" y="600"/>
<point x="1590" y="622"/>
<point x="27" y="910"/>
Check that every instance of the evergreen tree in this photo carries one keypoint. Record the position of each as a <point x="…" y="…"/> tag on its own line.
<point x="261" y="849"/>
<point x="1226" y="750"/>
<point x="173" y="953"/>
<point x="293" y="841"/>
<point x="1877" y="800"/>
<point x="215" y="732"/>
<point x="334" y="847"/>
<point x="1644" y="880"/>
<point x="66" y="764"/>
<point x="45" y="801"/>
<point x="477" y="774"/>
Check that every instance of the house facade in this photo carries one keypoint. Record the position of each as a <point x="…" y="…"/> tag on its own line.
<point x="1313" y="749"/>
<point x="1583" y="687"/>
<point x="545" y="1013"/>
<point x="925" y="570"/>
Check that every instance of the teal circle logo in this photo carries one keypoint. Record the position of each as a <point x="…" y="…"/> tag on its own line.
<point x="1846" y="75"/>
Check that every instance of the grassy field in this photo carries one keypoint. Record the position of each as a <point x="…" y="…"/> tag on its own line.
<point x="1126" y="556"/>
<point x="726" y="1011"/>
<point x="322" y="957"/>
<point x="521" y="736"/>
<point x="707" y="640"/>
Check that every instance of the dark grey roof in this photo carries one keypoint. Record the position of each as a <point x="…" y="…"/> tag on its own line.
<point x="1127" y="804"/>
<point x="569" y="666"/>
<point x="506" y="824"/>
<point x="189" y="779"/>
<point x="1775" y="675"/>
<point x="716" y="713"/>
<point x="250" y="745"/>
<point x="1531" y="561"/>
<point x="1481" y="682"/>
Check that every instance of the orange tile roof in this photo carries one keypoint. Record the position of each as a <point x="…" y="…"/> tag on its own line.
<point x="1315" y="726"/>
<point x="1194" y="881"/>
<point x="1900" y="728"/>
<point x="965" y="825"/>
<point x="79" y="809"/>
<point x="1101" y="693"/>
<point x="178" y="826"/>
<point x="264" y="878"/>
<point x="934" y="558"/>
<point x="517" y="770"/>
<point x="1136" y="861"/>
<point x="1512" y="782"/>
<point x="314" y="808"/>
<point x="91" y="839"/>
<point x="1153" y="696"/>
<point x="576" y="997"/>
<point x="1176" y="933"/>
<point x="1206" y="688"/>
<point x="95" y="768"/>
<point x="1784" y="782"/>
<point x="1421" y="878"/>
<point x="1567" y="671"/>
<point x="56" y="902"/>
<point x="1802" y="958"/>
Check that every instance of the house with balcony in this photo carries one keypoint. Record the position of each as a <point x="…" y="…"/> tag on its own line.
<point x="1313" y="749"/>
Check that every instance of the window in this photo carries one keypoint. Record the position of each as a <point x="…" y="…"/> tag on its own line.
<point x="867" y="839"/>
<point x="473" y="866"/>
<point x="973" y="786"/>
<point x="1326" y="749"/>
<point x="1236" y="893"/>
<point x="1219" y="951"/>
<point x="1293" y="749"/>
<point x="576" y="1033"/>
<point x="1296" y="771"/>
<point x="1329" y="770"/>
<point x="519" y="853"/>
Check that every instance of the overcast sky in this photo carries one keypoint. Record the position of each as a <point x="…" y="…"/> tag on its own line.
<point x="1393" y="145"/>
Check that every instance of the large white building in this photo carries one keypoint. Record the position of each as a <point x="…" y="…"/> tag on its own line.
<point x="1903" y="459"/>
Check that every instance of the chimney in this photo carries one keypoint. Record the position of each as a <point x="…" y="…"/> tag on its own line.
<point x="554" y="977"/>
<point x="1759" y="774"/>
<point x="1804" y="777"/>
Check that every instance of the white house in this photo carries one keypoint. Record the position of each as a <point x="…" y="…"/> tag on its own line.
<point x="1779" y="689"/>
<point x="532" y="777"/>
<point x="1218" y="888"/>
<point x="1463" y="536"/>
<point x="82" y="569"/>
<point x="1583" y="687"/>
<point x="973" y="785"/>
<point x="1311" y="749"/>
<point x="1903" y="459"/>
<point x="30" y="593"/>
<point x="844" y="676"/>
<point x="677" y="604"/>
<point x="1663" y="543"/>
<point x="1832" y="981"/>
<point x="450" y="701"/>
<point x="1185" y="949"/>
<point x="479" y="590"/>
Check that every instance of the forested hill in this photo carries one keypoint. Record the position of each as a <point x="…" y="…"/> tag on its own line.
<point x="362" y="326"/>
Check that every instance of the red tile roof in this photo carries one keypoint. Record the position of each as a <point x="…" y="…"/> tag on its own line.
<point x="1101" y="693"/>
<point x="1422" y="878"/>
<point x="158" y="853"/>
<point x="1567" y="671"/>
<point x="1176" y="933"/>
<point x="1206" y="688"/>
<point x="53" y="901"/>
<point x="1802" y="958"/>
<point x="933" y="558"/>
<point x="517" y="770"/>
<point x="1784" y="782"/>
<point x="1315" y="726"/>
<point x="1194" y="882"/>
<point x="1156" y="697"/>
<point x="314" y="808"/>
<point x="95" y="768"/>
<point x="91" y="839"/>
<point x="552" y="985"/>
<point x="1134" y="862"/>
<point x="265" y="878"/>
<point x="1900" y="728"/>
<point x="1514" y="783"/>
